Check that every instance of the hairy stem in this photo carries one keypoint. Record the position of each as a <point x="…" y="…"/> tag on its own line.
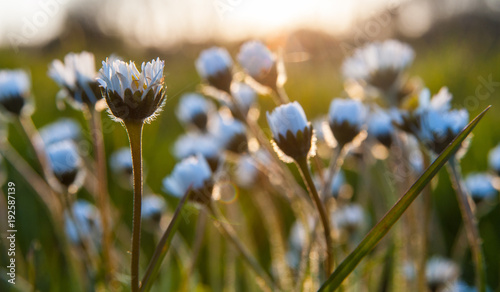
<point x="306" y="176"/>
<point x="134" y="130"/>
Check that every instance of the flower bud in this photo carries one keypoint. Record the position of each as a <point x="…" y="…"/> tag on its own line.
<point x="259" y="63"/>
<point x="230" y="134"/>
<point x="60" y="130"/>
<point x="204" y="144"/>
<point x="120" y="162"/>
<point x="14" y="91"/>
<point x="88" y="220"/>
<point x="292" y="133"/>
<point x="380" y="126"/>
<point x="244" y="98"/>
<point x="480" y="186"/>
<point x="346" y="119"/>
<point x="153" y="207"/>
<point x="66" y="163"/>
<point x="192" y="174"/>
<point x="215" y="65"/>
<point x="494" y="159"/>
<point x="194" y="109"/>
<point x="440" y="273"/>
<point x="439" y="128"/>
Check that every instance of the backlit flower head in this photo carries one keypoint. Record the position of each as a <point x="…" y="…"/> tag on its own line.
<point x="440" y="273"/>
<point x="14" y="91"/>
<point x="346" y="118"/>
<point x="215" y="66"/>
<point x="88" y="220"/>
<point x="292" y="133"/>
<point x="379" y="64"/>
<point x="66" y="163"/>
<point x="194" y="174"/>
<point x="194" y="109"/>
<point x="381" y="127"/>
<point x="480" y="186"/>
<point x="153" y="207"/>
<point x="196" y="143"/>
<point x="60" y="130"/>
<point x="132" y="95"/>
<point x="259" y="63"/>
<point x="439" y="128"/>
<point x="494" y="159"/>
<point x="77" y="77"/>
<point x="244" y="98"/>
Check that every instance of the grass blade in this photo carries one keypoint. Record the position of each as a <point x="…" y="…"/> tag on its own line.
<point x="384" y="225"/>
<point x="163" y="246"/>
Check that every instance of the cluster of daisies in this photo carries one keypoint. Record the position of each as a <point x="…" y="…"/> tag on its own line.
<point x="223" y="138"/>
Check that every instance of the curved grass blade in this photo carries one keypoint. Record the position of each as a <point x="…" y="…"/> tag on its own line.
<point x="162" y="247"/>
<point x="383" y="226"/>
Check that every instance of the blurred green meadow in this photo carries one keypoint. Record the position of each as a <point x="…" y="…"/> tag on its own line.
<point x="450" y="58"/>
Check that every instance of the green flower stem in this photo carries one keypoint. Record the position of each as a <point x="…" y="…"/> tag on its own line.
<point x="163" y="246"/>
<point x="104" y="207"/>
<point x="134" y="130"/>
<point x="230" y="234"/>
<point x="470" y="224"/>
<point x="325" y="221"/>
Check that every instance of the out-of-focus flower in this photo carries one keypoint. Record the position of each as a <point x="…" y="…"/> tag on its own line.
<point x="60" y="130"/>
<point x="244" y="98"/>
<point x="259" y="63"/>
<point x="194" y="143"/>
<point x="494" y="159"/>
<point x="120" y="161"/>
<point x="132" y="95"/>
<point x="379" y="64"/>
<point x="380" y="126"/>
<point x="194" y="109"/>
<point x="292" y="133"/>
<point x="215" y="65"/>
<point x="230" y="134"/>
<point x="338" y="182"/>
<point x="194" y="174"/>
<point x="440" y="273"/>
<point x="346" y="118"/>
<point x="480" y="186"/>
<point x="14" y="91"/>
<point x="66" y="163"/>
<point x="88" y="220"/>
<point x="153" y="207"/>
<point x="247" y="170"/>
<point x="77" y="78"/>
<point x="349" y="218"/>
<point x="439" y="128"/>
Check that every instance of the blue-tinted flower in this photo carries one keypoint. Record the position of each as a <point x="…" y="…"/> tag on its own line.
<point x="494" y="159"/>
<point x="192" y="174"/>
<point x="153" y="207"/>
<point x="346" y="118"/>
<point x="194" y="109"/>
<point x="259" y="63"/>
<point x="215" y="66"/>
<point x="65" y="162"/>
<point x="88" y="220"/>
<point x="130" y="94"/>
<point x="60" y="130"/>
<point x="439" y="128"/>
<point x="379" y="64"/>
<point x="440" y="273"/>
<point x="230" y="134"/>
<point x="77" y="77"/>
<point x="381" y="127"/>
<point x="204" y="144"/>
<point x="14" y="91"/>
<point x="480" y="186"/>
<point x="120" y="161"/>
<point x="291" y="131"/>
<point x="247" y="169"/>
<point x="244" y="98"/>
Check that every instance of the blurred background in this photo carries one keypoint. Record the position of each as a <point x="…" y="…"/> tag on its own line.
<point x="457" y="44"/>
